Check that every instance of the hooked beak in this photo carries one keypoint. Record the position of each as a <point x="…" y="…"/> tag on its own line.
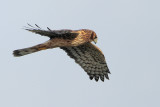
<point x="95" y="40"/>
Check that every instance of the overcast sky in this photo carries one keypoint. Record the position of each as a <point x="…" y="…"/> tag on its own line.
<point x="128" y="34"/>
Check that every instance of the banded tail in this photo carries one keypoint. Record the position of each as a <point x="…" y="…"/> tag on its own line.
<point x="25" y="51"/>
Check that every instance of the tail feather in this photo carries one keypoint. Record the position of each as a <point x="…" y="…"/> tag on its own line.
<point x="25" y="51"/>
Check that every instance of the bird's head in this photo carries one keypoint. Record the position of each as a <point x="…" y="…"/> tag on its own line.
<point x="94" y="37"/>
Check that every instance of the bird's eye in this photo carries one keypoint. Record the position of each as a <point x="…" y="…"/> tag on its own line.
<point x="92" y="36"/>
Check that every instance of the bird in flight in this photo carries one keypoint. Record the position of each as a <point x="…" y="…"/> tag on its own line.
<point x="77" y="44"/>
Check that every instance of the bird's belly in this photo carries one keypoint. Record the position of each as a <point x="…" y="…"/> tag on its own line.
<point x="77" y="42"/>
<point x="53" y="43"/>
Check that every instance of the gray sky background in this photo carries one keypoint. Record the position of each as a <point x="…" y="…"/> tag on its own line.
<point x="128" y="34"/>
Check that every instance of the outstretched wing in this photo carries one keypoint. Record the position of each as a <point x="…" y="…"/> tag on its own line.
<point x="63" y="34"/>
<point x="91" y="59"/>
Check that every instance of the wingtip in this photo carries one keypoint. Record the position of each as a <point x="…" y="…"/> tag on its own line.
<point x="107" y="76"/>
<point x="109" y="71"/>
<point x="96" y="78"/>
<point x="37" y="26"/>
<point x="32" y="27"/>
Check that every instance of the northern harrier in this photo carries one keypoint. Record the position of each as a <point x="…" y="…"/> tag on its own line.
<point x="77" y="44"/>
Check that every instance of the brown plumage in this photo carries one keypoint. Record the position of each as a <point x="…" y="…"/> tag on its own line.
<point x="77" y="44"/>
